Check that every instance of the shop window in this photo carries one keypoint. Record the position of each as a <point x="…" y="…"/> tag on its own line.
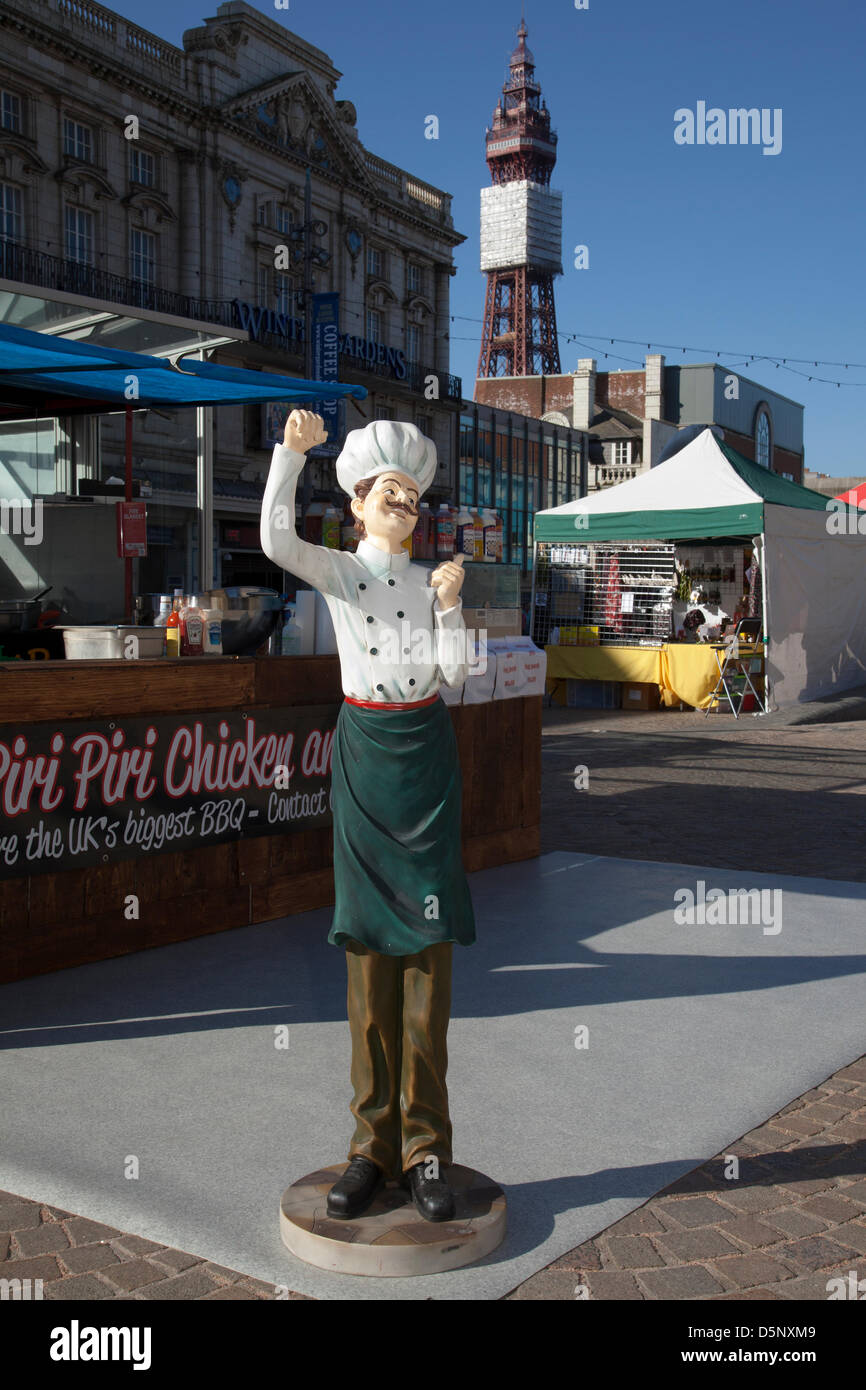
<point x="10" y="112"/>
<point x="11" y="218"/>
<point x="79" y="236"/>
<point x="142" y="167"/>
<point x="142" y="256"/>
<point x="77" y="140"/>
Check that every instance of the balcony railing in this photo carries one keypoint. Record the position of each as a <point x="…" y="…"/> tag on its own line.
<point x="23" y="265"/>
<point x="112" y="28"/>
<point x="29" y="267"/>
<point x="609" y="474"/>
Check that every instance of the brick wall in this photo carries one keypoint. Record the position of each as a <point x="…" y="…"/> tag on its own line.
<point x="622" y="390"/>
<point x="528" y="395"/>
<point x="784" y="461"/>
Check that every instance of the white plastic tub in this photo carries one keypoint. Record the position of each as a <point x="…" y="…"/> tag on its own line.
<point x="113" y="642"/>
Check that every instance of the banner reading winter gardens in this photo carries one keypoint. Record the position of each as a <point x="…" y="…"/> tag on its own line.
<point x="93" y="792"/>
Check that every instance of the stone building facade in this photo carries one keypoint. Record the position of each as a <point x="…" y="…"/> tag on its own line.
<point x="630" y="415"/>
<point x="170" y="181"/>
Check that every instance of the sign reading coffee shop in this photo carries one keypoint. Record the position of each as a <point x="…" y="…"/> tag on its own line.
<point x="93" y="792"/>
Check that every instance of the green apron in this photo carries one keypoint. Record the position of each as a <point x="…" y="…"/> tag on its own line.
<point x="398" y="865"/>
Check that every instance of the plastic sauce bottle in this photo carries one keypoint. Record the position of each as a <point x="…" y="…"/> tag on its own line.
<point x="492" y="536"/>
<point x="213" y="632"/>
<point x="465" y="541"/>
<point x="331" y="529"/>
<point x="478" y="537"/>
<point x="192" y="629"/>
<point x="444" y="533"/>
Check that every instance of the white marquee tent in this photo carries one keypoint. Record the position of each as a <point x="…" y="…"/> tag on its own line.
<point x="811" y="553"/>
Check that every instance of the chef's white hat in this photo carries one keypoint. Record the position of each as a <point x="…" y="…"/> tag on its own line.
<point x="383" y="446"/>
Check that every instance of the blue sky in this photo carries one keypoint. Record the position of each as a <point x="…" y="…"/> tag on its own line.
<point x="708" y="247"/>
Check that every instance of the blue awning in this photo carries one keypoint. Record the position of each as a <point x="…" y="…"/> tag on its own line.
<point x="41" y="374"/>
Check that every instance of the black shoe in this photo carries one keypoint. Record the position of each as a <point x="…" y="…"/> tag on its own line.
<point x="432" y="1196"/>
<point x="355" y="1190"/>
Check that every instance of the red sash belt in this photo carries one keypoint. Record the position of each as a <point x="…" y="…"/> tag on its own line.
<point x="387" y="704"/>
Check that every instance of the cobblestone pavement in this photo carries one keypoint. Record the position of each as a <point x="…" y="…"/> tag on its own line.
<point x="683" y="788"/>
<point x="761" y="794"/>
<point x="794" y="1217"/>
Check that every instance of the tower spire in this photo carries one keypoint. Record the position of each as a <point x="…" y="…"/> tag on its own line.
<point x="521" y="228"/>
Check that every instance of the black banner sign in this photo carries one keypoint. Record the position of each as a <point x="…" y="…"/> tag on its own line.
<point x="92" y="792"/>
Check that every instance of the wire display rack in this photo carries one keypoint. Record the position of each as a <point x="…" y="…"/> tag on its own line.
<point x="603" y="594"/>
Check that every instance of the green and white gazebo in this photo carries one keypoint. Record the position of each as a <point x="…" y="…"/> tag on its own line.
<point x="811" y="553"/>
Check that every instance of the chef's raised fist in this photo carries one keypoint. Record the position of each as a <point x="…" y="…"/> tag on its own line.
<point x="304" y="430"/>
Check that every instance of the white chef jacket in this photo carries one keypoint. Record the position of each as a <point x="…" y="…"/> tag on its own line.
<point x="381" y="604"/>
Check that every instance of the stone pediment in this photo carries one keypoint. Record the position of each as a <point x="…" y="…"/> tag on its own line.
<point x="150" y="205"/>
<point x="76" y="177"/>
<point x="18" y="157"/>
<point x="293" y="114"/>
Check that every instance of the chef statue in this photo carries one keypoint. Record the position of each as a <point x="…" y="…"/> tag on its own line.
<point x="402" y="898"/>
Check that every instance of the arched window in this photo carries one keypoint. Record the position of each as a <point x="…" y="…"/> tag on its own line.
<point x="762" y="439"/>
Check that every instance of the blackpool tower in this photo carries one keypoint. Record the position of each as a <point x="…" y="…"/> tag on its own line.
<point x="521" y="230"/>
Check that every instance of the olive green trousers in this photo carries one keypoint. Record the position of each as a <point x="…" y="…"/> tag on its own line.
<point x="399" y="1009"/>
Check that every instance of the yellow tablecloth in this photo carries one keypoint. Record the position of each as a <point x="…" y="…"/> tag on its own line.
<point x="687" y="673"/>
<point x="604" y="663"/>
<point x="683" y="671"/>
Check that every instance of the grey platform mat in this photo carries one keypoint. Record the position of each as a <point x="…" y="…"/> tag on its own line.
<point x="697" y="1033"/>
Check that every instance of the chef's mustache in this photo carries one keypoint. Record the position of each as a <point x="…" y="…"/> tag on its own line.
<point x="403" y="506"/>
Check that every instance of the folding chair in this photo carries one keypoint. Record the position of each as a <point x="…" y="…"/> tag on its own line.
<point x="735" y="658"/>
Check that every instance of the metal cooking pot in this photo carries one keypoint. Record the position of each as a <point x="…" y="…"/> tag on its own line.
<point x="16" y="614"/>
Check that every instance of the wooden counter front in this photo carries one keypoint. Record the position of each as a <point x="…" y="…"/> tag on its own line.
<point x="52" y="921"/>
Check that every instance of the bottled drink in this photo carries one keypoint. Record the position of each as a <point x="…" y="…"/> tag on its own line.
<point x="164" y="609"/>
<point x="291" y="634"/>
<point x="492" y="536"/>
<point x="348" y="534"/>
<point x="425" y="541"/>
<point x="444" y="533"/>
<point x="331" y="529"/>
<point x="172" y="625"/>
<point x="477" y="537"/>
<point x="465" y="542"/>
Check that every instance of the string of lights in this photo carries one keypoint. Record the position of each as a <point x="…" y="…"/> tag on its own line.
<point x="745" y="359"/>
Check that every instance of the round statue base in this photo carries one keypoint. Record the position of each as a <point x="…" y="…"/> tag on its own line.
<point x="391" y="1237"/>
